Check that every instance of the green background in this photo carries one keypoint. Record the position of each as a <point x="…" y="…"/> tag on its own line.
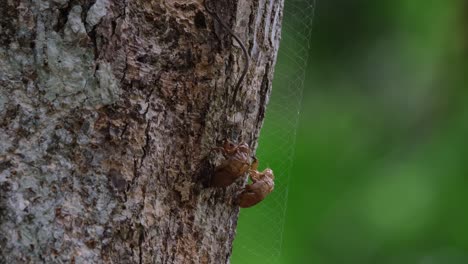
<point x="378" y="171"/>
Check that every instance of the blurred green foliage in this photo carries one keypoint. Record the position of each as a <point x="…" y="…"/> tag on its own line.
<point x="381" y="164"/>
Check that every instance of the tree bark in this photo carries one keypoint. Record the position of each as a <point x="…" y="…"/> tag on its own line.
<point x="108" y="114"/>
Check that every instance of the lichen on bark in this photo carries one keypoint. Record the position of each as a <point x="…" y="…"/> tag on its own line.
<point x="108" y="113"/>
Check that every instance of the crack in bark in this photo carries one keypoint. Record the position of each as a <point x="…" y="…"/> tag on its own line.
<point x="93" y="36"/>
<point x="264" y="89"/>
<point x="147" y="129"/>
<point x="141" y="239"/>
<point x="135" y="173"/>
<point x="147" y="143"/>
<point x="125" y="68"/>
<point x="124" y="130"/>
<point x="251" y="24"/>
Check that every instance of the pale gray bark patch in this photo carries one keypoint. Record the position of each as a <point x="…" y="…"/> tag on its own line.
<point x="75" y="29"/>
<point x="96" y="12"/>
<point x="108" y="114"/>
<point x="68" y="72"/>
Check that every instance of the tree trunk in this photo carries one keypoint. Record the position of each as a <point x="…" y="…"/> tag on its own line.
<point x="108" y="114"/>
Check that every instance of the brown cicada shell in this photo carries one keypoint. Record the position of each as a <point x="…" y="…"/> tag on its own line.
<point x="262" y="185"/>
<point x="238" y="161"/>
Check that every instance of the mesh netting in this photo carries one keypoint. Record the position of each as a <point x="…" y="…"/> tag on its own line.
<point x="260" y="228"/>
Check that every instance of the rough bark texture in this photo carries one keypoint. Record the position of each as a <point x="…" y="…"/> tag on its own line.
<point x="108" y="112"/>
